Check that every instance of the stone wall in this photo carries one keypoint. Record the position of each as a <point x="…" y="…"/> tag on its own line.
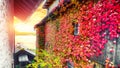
<point x="50" y="30"/>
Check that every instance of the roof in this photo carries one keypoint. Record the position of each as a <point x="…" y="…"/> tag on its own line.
<point x="24" y="8"/>
<point x="20" y="50"/>
<point x="48" y="3"/>
<point x="51" y="14"/>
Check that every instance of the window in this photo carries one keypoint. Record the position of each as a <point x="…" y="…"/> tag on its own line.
<point x="23" y="58"/>
<point x="76" y="28"/>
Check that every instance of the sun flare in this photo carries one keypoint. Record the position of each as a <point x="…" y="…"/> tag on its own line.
<point x="22" y="27"/>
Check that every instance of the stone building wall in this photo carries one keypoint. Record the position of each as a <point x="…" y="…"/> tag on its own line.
<point x="50" y="30"/>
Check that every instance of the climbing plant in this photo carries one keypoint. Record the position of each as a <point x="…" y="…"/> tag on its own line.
<point x="45" y="59"/>
<point x="98" y="22"/>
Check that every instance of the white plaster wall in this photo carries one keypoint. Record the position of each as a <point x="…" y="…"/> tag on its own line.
<point x="5" y="47"/>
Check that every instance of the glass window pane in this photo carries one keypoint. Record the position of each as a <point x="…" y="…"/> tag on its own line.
<point x="23" y="58"/>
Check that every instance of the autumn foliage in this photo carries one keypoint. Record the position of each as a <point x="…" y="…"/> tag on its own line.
<point x="98" y="22"/>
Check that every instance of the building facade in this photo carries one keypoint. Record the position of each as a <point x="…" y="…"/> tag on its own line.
<point x="23" y="57"/>
<point x="83" y="30"/>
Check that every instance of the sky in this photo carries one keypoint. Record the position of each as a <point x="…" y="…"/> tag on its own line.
<point x="24" y="30"/>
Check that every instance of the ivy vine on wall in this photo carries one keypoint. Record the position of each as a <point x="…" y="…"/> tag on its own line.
<point x="98" y="23"/>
